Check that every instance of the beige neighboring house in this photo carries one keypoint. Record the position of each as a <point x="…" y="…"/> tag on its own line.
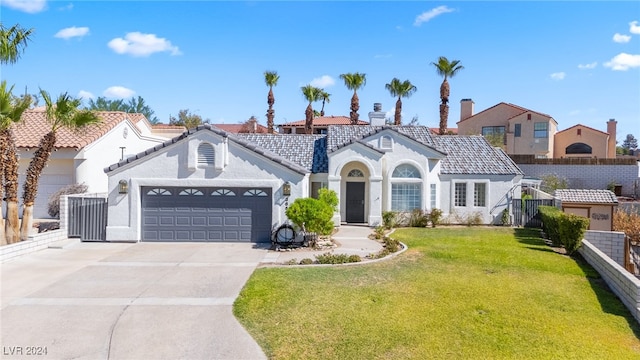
<point x="80" y="157"/>
<point x="583" y="141"/>
<point x="525" y="132"/>
<point x="320" y="124"/>
<point x="596" y="205"/>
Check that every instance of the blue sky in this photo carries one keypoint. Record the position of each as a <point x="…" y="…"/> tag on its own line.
<point x="576" y="61"/>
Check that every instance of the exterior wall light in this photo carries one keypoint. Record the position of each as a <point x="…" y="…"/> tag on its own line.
<point x="286" y="189"/>
<point x="123" y="186"/>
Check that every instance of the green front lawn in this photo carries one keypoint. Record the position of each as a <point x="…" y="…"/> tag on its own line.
<point x="480" y="293"/>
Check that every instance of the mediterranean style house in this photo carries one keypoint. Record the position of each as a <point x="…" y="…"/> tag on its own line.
<point x="528" y="132"/>
<point x="320" y="124"/>
<point x="211" y="185"/>
<point x="79" y="157"/>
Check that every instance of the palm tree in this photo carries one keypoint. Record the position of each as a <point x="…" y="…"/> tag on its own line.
<point x="11" y="109"/>
<point x="311" y="94"/>
<point x="65" y="112"/>
<point x="446" y="69"/>
<point x="13" y="41"/>
<point x="271" y="79"/>
<point x="401" y="89"/>
<point x="326" y="97"/>
<point x="354" y="81"/>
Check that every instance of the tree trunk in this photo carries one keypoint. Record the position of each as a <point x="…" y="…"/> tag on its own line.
<point x="270" y="113"/>
<point x="355" y="106"/>
<point x="10" y="175"/>
<point x="444" y="114"/>
<point x="30" y="189"/>
<point x="3" y="238"/>
<point x="444" y="91"/>
<point x="397" y="119"/>
<point x="12" y="223"/>
<point x="308" y="124"/>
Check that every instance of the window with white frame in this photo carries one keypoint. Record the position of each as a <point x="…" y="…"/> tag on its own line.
<point x="432" y="188"/>
<point x="406" y="188"/>
<point x="460" y="196"/>
<point x="480" y="194"/>
<point x="206" y="155"/>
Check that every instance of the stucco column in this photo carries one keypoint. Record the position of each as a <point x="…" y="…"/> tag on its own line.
<point x="334" y="184"/>
<point x="375" y="200"/>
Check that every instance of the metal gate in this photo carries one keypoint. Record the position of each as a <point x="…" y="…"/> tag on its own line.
<point x="526" y="213"/>
<point x="88" y="218"/>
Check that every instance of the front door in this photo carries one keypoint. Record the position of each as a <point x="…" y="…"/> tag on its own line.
<point x="355" y="202"/>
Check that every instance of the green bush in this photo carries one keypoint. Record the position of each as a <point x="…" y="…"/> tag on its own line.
<point x="315" y="215"/>
<point x="379" y="232"/>
<point x="328" y="197"/>
<point x="392" y="245"/>
<point x="435" y="216"/>
<point x="417" y="218"/>
<point x="306" y="261"/>
<point x="329" y="258"/>
<point x="505" y="217"/>
<point x="550" y="216"/>
<point x="572" y="229"/>
<point x="389" y="219"/>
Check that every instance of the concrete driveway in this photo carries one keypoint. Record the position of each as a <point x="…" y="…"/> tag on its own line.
<point x="127" y="301"/>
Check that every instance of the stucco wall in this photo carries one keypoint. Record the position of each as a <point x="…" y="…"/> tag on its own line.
<point x="588" y="176"/>
<point x="171" y="166"/>
<point x="600" y="216"/>
<point x="596" y="139"/>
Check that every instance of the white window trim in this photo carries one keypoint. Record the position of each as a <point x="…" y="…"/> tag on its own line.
<point x="486" y="194"/>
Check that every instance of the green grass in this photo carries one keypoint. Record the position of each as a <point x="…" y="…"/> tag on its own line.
<point x="465" y="293"/>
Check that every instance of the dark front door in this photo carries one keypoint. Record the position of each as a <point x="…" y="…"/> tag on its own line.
<point x="355" y="202"/>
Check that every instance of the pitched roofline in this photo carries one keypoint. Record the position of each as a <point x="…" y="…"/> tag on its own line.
<point x="246" y="144"/>
<point x="522" y="109"/>
<point x="585" y="126"/>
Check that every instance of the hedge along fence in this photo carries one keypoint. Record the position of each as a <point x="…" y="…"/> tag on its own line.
<point x="562" y="228"/>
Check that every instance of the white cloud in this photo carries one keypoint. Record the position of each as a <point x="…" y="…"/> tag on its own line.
<point x="623" y="62"/>
<point x="139" y="44"/>
<point x="588" y="66"/>
<point x="85" y="95"/>
<point x="119" y="92"/>
<point x="28" y="6"/>
<point x="619" y="38"/>
<point x="634" y="28"/>
<point x="558" y="76"/>
<point x="323" y="81"/>
<point x="428" y="15"/>
<point x="73" y="31"/>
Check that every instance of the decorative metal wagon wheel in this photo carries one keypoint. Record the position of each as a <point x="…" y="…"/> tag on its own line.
<point x="284" y="235"/>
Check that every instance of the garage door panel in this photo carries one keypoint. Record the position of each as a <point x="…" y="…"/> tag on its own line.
<point x="220" y="214"/>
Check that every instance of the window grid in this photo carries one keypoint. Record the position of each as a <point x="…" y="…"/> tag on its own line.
<point x="355" y="173"/>
<point x="433" y="195"/>
<point x="187" y="192"/>
<point x="480" y="194"/>
<point x="406" y="197"/>
<point x="223" y="192"/>
<point x="406" y="171"/>
<point x="460" y="194"/>
<point x="540" y="130"/>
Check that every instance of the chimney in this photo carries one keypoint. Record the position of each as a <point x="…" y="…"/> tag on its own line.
<point x="376" y="117"/>
<point x="466" y="109"/>
<point x="611" y="145"/>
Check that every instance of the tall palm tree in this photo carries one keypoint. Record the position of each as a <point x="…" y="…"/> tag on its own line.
<point x="11" y="109"/>
<point x="271" y="79"/>
<point x="13" y="41"/>
<point x="311" y="94"/>
<point x="401" y="89"/>
<point x="354" y="81"/>
<point x="326" y="97"/>
<point x="446" y="69"/>
<point x="65" y="112"/>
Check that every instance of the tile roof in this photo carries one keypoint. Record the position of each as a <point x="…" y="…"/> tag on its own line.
<point x="584" y="126"/>
<point x="325" y="121"/>
<point x="522" y="110"/>
<point x="308" y="151"/>
<point x="339" y="136"/>
<point x="206" y="127"/>
<point x="473" y="155"/>
<point x="237" y="128"/>
<point x="590" y="196"/>
<point x="34" y="126"/>
<point x="450" y="131"/>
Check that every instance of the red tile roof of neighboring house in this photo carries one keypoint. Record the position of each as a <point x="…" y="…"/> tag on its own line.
<point x="450" y="131"/>
<point x="238" y="128"/>
<point x="523" y="110"/>
<point x="325" y="121"/>
<point x="34" y="126"/>
<point x="584" y="126"/>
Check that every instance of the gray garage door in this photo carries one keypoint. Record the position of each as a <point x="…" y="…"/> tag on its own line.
<point x="206" y="214"/>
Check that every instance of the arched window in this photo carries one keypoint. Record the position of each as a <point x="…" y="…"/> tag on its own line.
<point x="578" y="148"/>
<point x="355" y="173"/>
<point x="223" y="192"/>
<point x="206" y="155"/>
<point x="406" y="188"/>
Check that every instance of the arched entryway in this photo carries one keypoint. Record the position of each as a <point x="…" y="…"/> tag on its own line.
<point x="355" y="177"/>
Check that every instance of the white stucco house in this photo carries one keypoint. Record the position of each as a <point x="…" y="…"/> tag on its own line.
<point x="80" y="157"/>
<point x="210" y="185"/>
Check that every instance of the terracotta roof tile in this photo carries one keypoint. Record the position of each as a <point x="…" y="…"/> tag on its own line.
<point x="325" y="121"/>
<point x="34" y="126"/>
<point x="450" y="131"/>
<point x="237" y="128"/>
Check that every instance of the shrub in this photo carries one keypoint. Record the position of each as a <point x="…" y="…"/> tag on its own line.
<point x="628" y="223"/>
<point x="306" y="261"/>
<point x="379" y="232"/>
<point x="551" y="182"/>
<point x="328" y="197"/>
<point x="572" y="229"/>
<point x="354" y="258"/>
<point x="550" y="216"/>
<point x="312" y="214"/>
<point x="505" y="217"/>
<point x="474" y="218"/>
<point x="418" y="218"/>
<point x="53" y="205"/>
<point x="389" y="219"/>
<point x="329" y="258"/>
<point x="390" y="244"/>
<point x="435" y="216"/>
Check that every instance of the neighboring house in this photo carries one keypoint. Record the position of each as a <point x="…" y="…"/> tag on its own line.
<point x="79" y="157"/>
<point x="583" y="141"/>
<point x="596" y="205"/>
<point x="450" y="131"/>
<point x="320" y="124"/>
<point x="524" y="131"/>
<point x="249" y="126"/>
<point x="210" y="185"/>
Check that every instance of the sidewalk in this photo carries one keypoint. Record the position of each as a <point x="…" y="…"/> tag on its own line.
<point x="350" y="240"/>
